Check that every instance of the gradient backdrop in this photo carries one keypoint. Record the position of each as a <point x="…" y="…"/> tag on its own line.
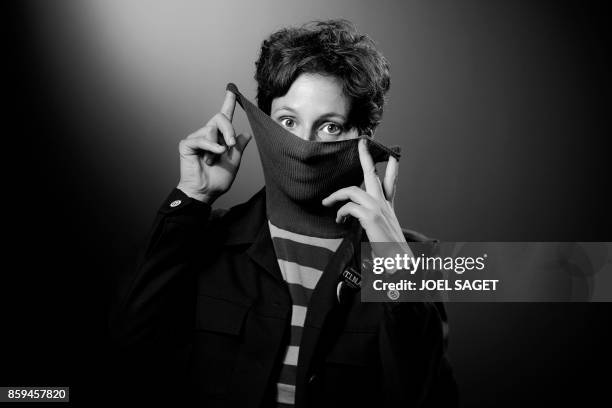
<point x="502" y="110"/>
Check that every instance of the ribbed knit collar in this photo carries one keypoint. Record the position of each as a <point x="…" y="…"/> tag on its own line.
<point x="299" y="173"/>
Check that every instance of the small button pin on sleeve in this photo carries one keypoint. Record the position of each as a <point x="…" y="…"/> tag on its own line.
<point x="175" y="203"/>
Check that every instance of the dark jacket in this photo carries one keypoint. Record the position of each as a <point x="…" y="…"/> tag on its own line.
<point x="208" y="313"/>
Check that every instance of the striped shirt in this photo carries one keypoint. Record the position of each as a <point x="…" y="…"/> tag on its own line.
<point x="301" y="259"/>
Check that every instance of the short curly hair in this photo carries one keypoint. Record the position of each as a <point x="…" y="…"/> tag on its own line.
<point x="331" y="47"/>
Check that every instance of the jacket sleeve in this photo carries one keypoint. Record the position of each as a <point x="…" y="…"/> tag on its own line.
<point x="156" y="313"/>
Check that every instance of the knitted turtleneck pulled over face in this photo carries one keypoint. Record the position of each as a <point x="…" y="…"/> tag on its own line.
<point x="300" y="173"/>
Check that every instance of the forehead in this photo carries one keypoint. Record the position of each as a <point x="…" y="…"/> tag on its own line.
<point x="314" y="94"/>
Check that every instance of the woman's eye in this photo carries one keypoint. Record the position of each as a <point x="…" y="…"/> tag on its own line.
<point x="332" y="128"/>
<point x="288" y="122"/>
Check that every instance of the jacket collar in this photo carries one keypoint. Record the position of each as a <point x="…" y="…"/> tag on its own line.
<point x="247" y="224"/>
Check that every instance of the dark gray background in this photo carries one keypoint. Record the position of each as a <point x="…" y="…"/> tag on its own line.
<point x="502" y="110"/>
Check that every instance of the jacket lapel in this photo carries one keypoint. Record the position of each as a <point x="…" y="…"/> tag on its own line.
<point x="262" y="252"/>
<point x="248" y="225"/>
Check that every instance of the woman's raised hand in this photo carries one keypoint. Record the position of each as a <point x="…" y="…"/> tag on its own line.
<point x="210" y="157"/>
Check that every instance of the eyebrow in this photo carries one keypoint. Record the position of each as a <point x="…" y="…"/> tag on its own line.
<point x="324" y="116"/>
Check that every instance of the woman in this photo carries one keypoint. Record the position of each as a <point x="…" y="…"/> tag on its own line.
<point x="249" y="302"/>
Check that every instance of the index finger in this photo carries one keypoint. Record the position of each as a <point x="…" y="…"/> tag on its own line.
<point x="390" y="180"/>
<point x="229" y="104"/>
<point x="370" y="178"/>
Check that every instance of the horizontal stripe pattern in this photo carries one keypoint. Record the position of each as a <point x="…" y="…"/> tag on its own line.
<point x="304" y="239"/>
<point x="312" y="256"/>
<point x="302" y="260"/>
<point x="286" y="393"/>
<point x="298" y="315"/>
<point x="300" y="274"/>
<point x="291" y="357"/>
